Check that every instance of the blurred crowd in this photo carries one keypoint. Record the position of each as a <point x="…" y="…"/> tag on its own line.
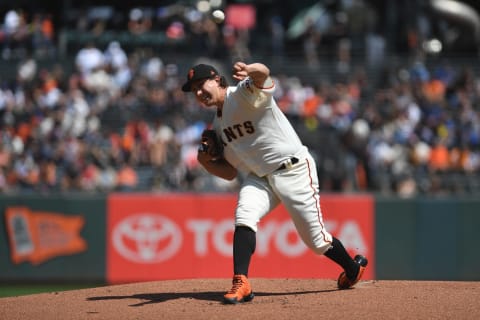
<point x="22" y="32"/>
<point x="118" y="121"/>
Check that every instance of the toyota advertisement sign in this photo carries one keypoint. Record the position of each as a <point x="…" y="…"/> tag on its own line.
<point x="174" y="236"/>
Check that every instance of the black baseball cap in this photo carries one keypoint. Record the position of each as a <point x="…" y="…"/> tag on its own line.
<point x="200" y="71"/>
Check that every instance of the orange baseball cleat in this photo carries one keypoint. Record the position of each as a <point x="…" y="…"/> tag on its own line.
<point x="240" y="291"/>
<point x="344" y="282"/>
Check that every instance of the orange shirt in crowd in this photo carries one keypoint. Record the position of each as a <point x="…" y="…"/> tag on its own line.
<point x="310" y="105"/>
<point x="127" y="176"/>
<point x="439" y="157"/>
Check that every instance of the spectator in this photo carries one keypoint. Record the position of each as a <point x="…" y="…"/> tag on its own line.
<point x="439" y="157"/>
<point x="42" y="34"/>
<point x="88" y="59"/>
<point x="116" y="61"/>
<point x="127" y="178"/>
<point x="138" y="21"/>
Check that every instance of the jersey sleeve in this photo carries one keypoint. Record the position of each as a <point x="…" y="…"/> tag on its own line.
<point x="254" y="96"/>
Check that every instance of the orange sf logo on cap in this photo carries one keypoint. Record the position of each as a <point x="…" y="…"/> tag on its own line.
<point x="191" y="72"/>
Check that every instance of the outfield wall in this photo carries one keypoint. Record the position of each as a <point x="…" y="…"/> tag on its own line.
<point x="58" y="238"/>
<point x="122" y="237"/>
<point x="428" y="238"/>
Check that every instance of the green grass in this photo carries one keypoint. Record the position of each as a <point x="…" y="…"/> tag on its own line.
<point x="12" y="290"/>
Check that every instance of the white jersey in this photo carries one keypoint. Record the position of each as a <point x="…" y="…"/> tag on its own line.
<point x="257" y="136"/>
<point x="260" y="142"/>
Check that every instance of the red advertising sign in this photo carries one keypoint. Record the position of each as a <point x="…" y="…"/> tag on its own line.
<point x="152" y="237"/>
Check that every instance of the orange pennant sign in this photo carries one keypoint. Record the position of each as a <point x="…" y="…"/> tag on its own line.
<point x="37" y="236"/>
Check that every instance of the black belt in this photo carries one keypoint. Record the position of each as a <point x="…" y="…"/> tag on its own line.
<point x="293" y="160"/>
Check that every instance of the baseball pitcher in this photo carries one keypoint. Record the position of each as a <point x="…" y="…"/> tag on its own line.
<point x="252" y="136"/>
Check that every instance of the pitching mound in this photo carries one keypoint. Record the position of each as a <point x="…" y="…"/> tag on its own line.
<point x="274" y="299"/>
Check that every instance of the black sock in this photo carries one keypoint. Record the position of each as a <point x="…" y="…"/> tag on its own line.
<point x="338" y="254"/>
<point x="244" y="242"/>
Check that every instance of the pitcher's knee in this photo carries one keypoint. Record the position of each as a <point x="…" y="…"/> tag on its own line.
<point x="319" y="245"/>
<point x="247" y="224"/>
<point x="321" y="249"/>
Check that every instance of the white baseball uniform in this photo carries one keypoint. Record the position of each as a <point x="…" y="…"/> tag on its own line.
<point x="260" y="142"/>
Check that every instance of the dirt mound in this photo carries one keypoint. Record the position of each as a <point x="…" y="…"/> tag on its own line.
<point x="274" y="299"/>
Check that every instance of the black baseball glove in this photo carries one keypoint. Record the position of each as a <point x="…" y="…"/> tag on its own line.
<point x="211" y="144"/>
